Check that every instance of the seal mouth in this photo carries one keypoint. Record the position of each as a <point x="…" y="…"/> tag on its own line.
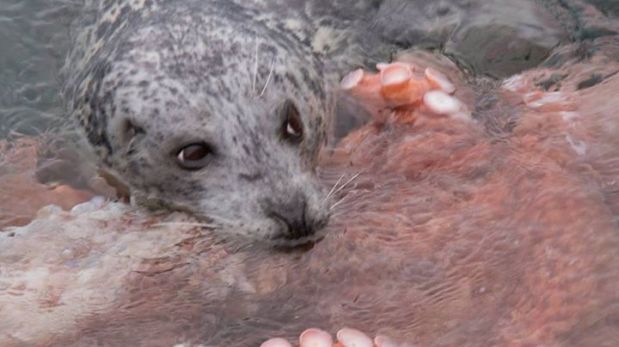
<point x="287" y="245"/>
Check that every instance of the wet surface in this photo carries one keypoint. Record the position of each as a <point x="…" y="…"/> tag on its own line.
<point x="500" y="231"/>
<point x="34" y="38"/>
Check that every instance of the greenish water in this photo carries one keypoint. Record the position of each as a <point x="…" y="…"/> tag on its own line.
<point x="34" y="36"/>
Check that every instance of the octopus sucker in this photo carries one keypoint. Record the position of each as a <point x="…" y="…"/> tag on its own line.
<point x="315" y="338"/>
<point x="442" y="103"/>
<point x="276" y="342"/>
<point x="439" y="81"/>
<point x="352" y="80"/>
<point x="400" y="85"/>
<point x="346" y="337"/>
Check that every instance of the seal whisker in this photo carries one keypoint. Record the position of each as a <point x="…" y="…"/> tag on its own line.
<point x="333" y="188"/>
<point x="348" y="182"/>
<point x="268" y="78"/>
<point x="255" y="72"/>
<point x="337" y="203"/>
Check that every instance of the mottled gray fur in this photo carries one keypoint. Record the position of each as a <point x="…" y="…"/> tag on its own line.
<point x="148" y="76"/>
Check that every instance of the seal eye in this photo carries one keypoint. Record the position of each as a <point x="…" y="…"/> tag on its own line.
<point x="194" y="156"/>
<point x="292" y="129"/>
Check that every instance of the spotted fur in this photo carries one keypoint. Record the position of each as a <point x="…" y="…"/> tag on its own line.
<point x="148" y="76"/>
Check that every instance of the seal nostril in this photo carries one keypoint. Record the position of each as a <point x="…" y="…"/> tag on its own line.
<point x="294" y="228"/>
<point x="281" y="220"/>
<point x="294" y="220"/>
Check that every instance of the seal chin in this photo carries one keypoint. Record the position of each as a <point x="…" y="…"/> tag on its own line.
<point x="302" y="243"/>
<point x="279" y="231"/>
<point x="284" y="241"/>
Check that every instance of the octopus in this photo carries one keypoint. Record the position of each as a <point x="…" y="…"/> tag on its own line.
<point x="554" y="128"/>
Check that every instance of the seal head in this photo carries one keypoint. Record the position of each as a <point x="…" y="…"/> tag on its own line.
<point x="195" y="111"/>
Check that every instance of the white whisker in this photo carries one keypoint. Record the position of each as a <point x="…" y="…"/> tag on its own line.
<point x="347" y="182"/>
<point x="255" y="74"/>
<point x="337" y="203"/>
<point x="268" y="78"/>
<point x="333" y="188"/>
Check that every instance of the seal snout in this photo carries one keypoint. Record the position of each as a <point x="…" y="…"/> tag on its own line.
<point x="297" y="219"/>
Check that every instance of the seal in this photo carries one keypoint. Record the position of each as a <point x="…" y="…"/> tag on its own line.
<point x="217" y="108"/>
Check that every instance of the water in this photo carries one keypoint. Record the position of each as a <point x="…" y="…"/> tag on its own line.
<point x="34" y="40"/>
<point x="498" y="232"/>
